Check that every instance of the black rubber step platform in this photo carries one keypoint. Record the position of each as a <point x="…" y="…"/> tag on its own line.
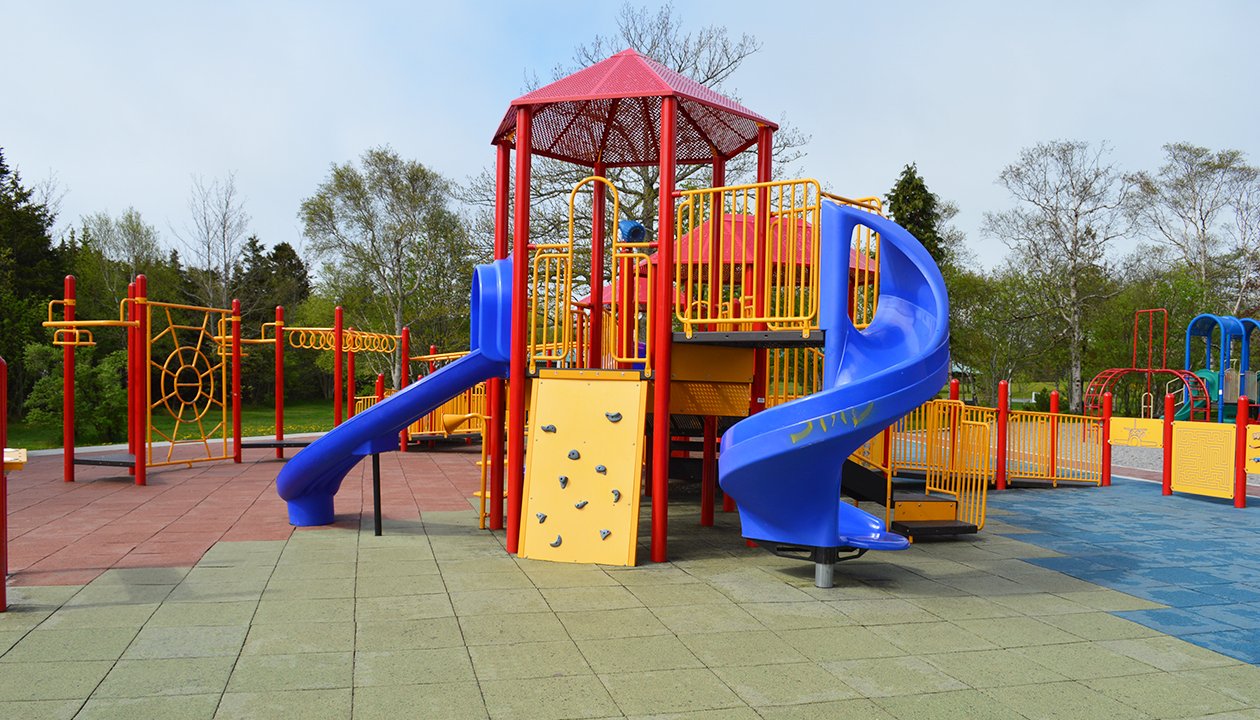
<point x="901" y="496"/>
<point x="933" y="528"/>
<point x="753" y="338"/>
<point x="124" y="460"/>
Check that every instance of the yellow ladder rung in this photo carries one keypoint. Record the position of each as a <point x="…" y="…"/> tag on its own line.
<point x="478" y="493"/>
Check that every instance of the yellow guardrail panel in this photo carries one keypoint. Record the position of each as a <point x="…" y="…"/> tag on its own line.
<point x="1137" y="432"/>
<point x="1253" y="449"/>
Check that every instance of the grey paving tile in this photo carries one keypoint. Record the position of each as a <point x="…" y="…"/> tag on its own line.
<point x="167" y="676"/>
<point x="1084" y="660"/>
<point x="106" y="643"/>
<point x="407" y="635"/>
<point x="407" y="607"/>
<point x="840" y="643"/>
<point x="597" y="624"/>
<point x="1168" y="653"/>
<point x="413" y="667"/>
<point x="194" y="614"/>
<point x="756" y="647"/>
<point x="554" y="658"/>
<point x="507" y="629"/>
<point x="856" y="709"/>
<point x="788" y="684"/>
<point x="44" y="709"/>
<point x="637" y="654"/>
<point x="883" y="612"/>
<point x="717" y="617"/>
<point x="184" y="707"/>
<point x="993" y="668"/>
<point x="499" y="602"/>
<point x="1061" y="700"/>
<point x="290" y="638"/>
<point x="304" y="611"/>
<point x="669" y="691"/>
<point x="306" y="671"/>
<point x="922" y="638"/>
<point x="1017" y="632"/>
<point x="170" y="642"/>
<point x="52" y="680"/>
<point x="89" y="616"/>
<point x="1165" y="695"/>
<point x="547" y="698"/>
<point x="583" y="599"/>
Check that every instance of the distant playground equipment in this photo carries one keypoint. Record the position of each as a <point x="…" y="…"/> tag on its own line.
<point x="1226" y="370"/>
<point x="1194" y="399"/>
<point x="178" y="358"/>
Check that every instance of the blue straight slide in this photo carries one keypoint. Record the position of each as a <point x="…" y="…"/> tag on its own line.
<point x="312" y="477"/>
<point x="783" y="466"/>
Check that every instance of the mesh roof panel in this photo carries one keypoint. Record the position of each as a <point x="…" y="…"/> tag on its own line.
<point x="612" y="110"/>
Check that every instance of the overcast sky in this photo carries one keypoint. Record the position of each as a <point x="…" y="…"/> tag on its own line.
<point x="125" y="101"/>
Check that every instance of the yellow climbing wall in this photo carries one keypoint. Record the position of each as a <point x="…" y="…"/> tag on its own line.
<point x="583" y="467"/>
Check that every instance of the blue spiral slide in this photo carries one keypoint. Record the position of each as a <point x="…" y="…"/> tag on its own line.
<point x="783" y="466"/>
<point x="312" y="477"/>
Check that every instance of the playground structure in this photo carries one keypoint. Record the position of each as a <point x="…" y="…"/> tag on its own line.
<point x="735" y="317"/>
<point x="1226" y="372"/>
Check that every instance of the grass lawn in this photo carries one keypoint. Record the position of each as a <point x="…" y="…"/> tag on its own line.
<point x="311" y="416"/>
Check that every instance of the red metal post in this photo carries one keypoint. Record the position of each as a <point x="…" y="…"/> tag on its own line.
<point x="279" y="379"/>
<point x="1054" y="433"/>
<point x="516" y="371"/>
<point x="404" y="379"/>
<point x="236" y="380"/>
<point x="708" y="472"/>
<point x="953" y="388"/>
<point x="495" y="386"/>
<point x="338" y="348"/>
<point x="350" y="380"/>
<point x="664" y="336"/>
<point x="1003" y="416"/>
<point x="67" y="388"/>
<point x="133" y="381"/>
<point x="4" y="480"/>
<point x="595" y="349"/>
<point x="765" y="142"/>
<point x="1106" y="440"/>
<point x="432" y="364"/>
<point x="380" y="387"/>
<point x="1170" y="409"/>
<point x="142" y="380"/>
<point x="1242" y="415"/>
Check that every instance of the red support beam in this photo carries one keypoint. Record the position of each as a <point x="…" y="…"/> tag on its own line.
<point x="279" y="379"/>
<point x="67" y="398"/>
<point x="663" y="332"/>
<point x="1242" y="415"/>
<point x="350" y="371"/>
<point x="495" y="387"/>
<point x="595" y="348"/>
<point x="953" y="387"/>
<point x="1054" y="433"/>
<point x="516" y="372"/>
<point x="1003" y="417"/>
<point x="4" y="482"/>
<point x="404" y="379"/>
<point x="338" y="348"/>
<point x="1106" y="440"/>
<point x="1170" y="409"/>
<point x="708" y="472"/>
<point x="133" y="375"/>
<point x="236" y="380"/>
<point x="765" y="147"/>
<point x="142" y="380"/>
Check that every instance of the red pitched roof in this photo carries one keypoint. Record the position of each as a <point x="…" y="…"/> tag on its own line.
<point x="612" y="110"/>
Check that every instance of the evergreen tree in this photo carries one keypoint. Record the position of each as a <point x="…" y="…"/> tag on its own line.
<point x="918" y="210"/>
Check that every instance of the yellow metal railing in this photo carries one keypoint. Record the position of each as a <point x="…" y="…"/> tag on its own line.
<point x="187" y="381"/>
<point x="958" y="463"/>
<point x="1054" y="447"/>
<point x="792" y="373"/>
<point x="748" y="255"/>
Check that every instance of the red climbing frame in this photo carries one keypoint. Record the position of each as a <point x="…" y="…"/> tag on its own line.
<point x="1106" y="381"/>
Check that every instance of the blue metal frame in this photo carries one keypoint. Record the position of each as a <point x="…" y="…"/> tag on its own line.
<point x="1204" y="326"/>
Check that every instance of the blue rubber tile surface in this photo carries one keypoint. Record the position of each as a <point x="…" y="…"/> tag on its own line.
<point x="1199" y="556"/>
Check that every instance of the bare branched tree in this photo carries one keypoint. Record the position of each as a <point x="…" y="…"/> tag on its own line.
<point x="1069" y="208"/>
<point x="1244" y="242"/>
<point x="124" y="246"/>
<point x="214" y="237"/>
<point x="709" y="55"/>
<point x="1187" y="200"/>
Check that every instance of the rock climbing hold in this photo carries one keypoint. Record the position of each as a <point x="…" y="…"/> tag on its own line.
<point x="603" y="534"/>
<point x="613" y="416"/>
<point x="548" y="428"/>
<point x="579" y="505"/>
<point x="564" y="481"/>
<point x="557" y="542"/>
<point x="616" y="495"/>
<point x="574" y="454"/>
<point x="601" y="469"/>
<point x="542" y="517"/>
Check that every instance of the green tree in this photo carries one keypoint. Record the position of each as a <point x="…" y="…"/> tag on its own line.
<point x="31" y="271"/>
<point x="390" y="238"/>
<point x="1068" y="211"/>
<point x="918" y="210"/>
